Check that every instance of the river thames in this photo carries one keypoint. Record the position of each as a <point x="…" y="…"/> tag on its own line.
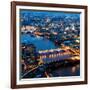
<point x="43" y="44"/>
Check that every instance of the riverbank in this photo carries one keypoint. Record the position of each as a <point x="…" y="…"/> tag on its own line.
<point x="55" y="69"/>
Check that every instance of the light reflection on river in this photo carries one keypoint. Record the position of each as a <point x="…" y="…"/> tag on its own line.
<point x="67" y="71"/>
<point x="43" y="44"/>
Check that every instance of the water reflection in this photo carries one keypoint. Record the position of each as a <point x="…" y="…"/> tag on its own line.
<point x="67" y="71"/>
<point x="73" y="69"/>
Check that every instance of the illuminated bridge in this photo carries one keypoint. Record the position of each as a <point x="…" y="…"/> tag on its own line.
<point x="53" y="55"/>
<point x="66" y="55"/>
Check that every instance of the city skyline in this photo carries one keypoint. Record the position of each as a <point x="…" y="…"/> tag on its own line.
<point x="49" y="40"/>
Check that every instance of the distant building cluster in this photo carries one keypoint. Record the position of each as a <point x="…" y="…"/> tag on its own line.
<point x="59" y="29"/>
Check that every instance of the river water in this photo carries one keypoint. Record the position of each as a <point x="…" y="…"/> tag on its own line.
<point x="40" y="42"/>
<point x="67" y="71"/>
<point x="43" y="44"/>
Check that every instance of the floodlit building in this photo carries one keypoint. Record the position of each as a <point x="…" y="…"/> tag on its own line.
<point x="54" y="55"/>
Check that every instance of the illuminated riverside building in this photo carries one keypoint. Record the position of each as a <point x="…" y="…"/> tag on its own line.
<point x="54" y="55"/>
